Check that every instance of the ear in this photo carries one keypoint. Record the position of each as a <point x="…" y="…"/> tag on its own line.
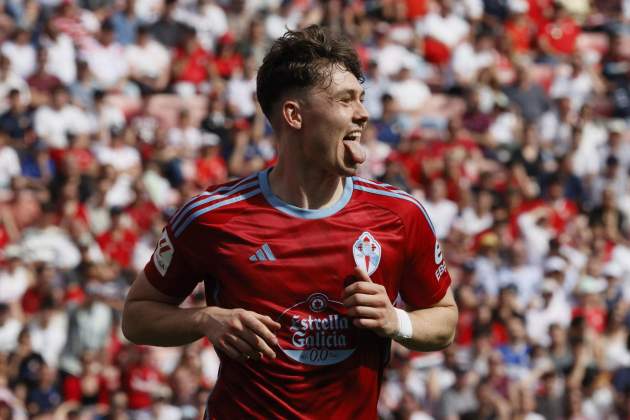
<point x="292" y="114"/>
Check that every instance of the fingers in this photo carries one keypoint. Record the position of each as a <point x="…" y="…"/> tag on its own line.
<point x="241" y="345"/>
<point x="263" y="327"/>
<point x="251" y="334"/>
<point x="231" y="352"/>
<point x="362" y="275"/>
<point x="363" y="287"/>
<point x="363" y="299"/>
<point x="364" y="312"/>
<point x="255" y="340"/>
<point x="270" y="323"/>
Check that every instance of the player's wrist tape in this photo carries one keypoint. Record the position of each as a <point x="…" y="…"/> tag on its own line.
<point x="405" y="329"/>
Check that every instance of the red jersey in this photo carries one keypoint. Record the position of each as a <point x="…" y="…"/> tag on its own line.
<point x="258" y="253"/>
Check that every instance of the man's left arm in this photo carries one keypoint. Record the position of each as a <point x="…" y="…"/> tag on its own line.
<point x="432" y="328"/>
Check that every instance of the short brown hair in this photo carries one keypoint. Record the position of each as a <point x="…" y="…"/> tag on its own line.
<point x="303" y="59"/>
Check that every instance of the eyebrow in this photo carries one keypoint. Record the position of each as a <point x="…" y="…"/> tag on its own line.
<point x="351" y="92"/>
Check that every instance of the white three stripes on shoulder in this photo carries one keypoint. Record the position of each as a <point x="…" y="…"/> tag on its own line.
<point x="195" y="207"/>
<point x="193" y="216"/>
<point x="392" y="193"/>
<point x="194" y="200"/>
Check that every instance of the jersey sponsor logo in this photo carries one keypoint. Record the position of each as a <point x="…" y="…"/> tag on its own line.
<point x="317" y="332"/>
<point x="367" y="253"/>
<point x="438" y="253"/>
<point x="163" y="254"/>
<point x="440" y="270"/>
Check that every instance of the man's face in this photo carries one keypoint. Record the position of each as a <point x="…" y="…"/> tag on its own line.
<point x="333" y="118"/>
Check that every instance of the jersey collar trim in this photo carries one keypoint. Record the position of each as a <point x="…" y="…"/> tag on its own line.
<point x="291" y="210"/>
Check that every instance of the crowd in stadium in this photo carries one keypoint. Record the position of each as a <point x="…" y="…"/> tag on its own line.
<point x="508" y="119"/>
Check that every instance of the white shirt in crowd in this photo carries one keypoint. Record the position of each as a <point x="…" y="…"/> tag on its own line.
<point x="577" y="87"/>
<point x="442" y="214"/>
<point x="276" y="25"/>
<point x="61" y="58"/>
<point x="410" y="94"/>
<point x="467" y="62"/>
<point x="240" y="94"/>
<point x="107" y="63"/>
<point x="148" y="60"/>
<point x="591" y="141"/>
<point x="503" y="129"/>
<point x="23" y="58"/>
<point x="527" y="279"/>
<point x="538" y="320"/>
<point x="13" y="284"/>
<point x="52" y="125"/>
<point x="188" y="138"/>
<point x="472" y="223"/>
<point x="13" y="81"/>
<point x="536" y="237"/>
<point x="391" y="58"/>
<point x="449" y="30"/>
<point x="105" y="118"/>
<point x="52" y="245"/>
<point x="9" y="165"/>
<point x="121" y="193"/>
<point x="49" y="340"/>
<point x="9" y="332"/>
<point x="209" y="20"/>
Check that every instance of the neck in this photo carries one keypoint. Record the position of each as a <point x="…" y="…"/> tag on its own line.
<point x="304" y="187"/>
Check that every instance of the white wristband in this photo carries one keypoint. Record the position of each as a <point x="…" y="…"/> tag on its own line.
<point x="405" y="329"/>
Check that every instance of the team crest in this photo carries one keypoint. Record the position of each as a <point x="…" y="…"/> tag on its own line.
<point x="367" y="253"/>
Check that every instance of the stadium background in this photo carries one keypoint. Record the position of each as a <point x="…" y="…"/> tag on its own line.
<point x="509" y="119"/>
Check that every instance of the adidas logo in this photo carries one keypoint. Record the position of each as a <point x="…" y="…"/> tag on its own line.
<point x="263" y="254"/>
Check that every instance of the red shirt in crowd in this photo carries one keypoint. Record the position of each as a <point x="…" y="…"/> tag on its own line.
<point x="118" y="245"/>
<point x="561" y="35"/>
<point x="140" y="382"/>
<point x="143" y="212"/>
<point x="519" y="32"/>
<point x="211" y="170"/>
<point x="194" y="65"/>
<point x="227" y="64"/>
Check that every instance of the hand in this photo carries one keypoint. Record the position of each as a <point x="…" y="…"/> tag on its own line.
<point x="370" y="306"/>
<point x="241" y="334"/>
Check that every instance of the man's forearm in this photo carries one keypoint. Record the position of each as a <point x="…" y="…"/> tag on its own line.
<point x="160" y="324"/>
<point x="433" y="328"/>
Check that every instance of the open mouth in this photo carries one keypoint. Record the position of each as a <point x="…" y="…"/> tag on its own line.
<point x="353" y="136"/>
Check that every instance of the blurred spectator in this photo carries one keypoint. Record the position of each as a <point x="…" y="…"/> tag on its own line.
<point x="21" y="53"/>
<point x="148" y="62"/>
<point x="106" y="58"/>
<point x="9" y="161"/>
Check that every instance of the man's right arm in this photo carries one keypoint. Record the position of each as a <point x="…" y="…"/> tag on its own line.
<point x="153" y="318"/>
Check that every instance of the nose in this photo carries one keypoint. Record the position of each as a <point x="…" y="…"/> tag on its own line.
<point x="361" y="114"/>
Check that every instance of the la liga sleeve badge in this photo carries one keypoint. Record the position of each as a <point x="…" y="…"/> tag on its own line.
<point x="163" y="254"/>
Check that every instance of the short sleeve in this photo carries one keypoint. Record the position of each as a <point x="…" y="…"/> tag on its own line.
<point x="174" y="269"/>
<point x="425" y="277"/>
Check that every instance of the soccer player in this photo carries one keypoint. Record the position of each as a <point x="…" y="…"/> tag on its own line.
<point x="301" y="262"/>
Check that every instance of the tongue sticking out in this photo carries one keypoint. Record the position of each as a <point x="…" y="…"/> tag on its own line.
<point x="355" y="151"/>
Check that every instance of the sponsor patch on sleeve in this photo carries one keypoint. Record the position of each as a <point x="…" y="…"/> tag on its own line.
<point x="163" y="254"/>
<point x="439" y="261"/>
